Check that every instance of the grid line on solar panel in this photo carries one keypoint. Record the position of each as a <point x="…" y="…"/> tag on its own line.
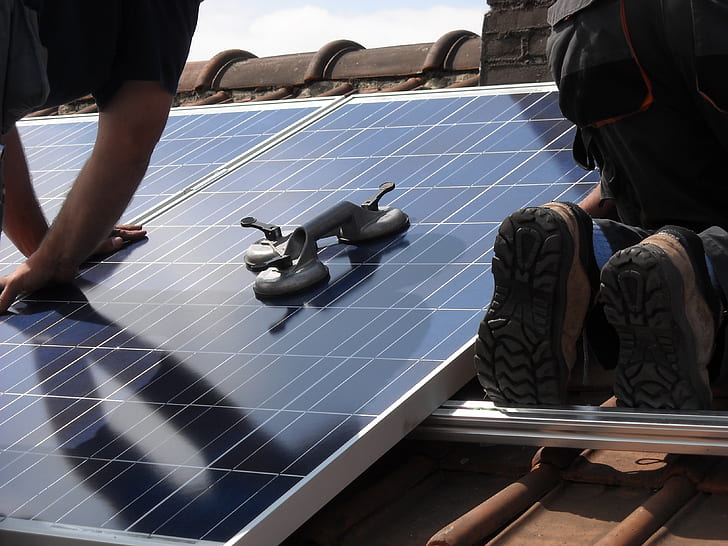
<point x="171" y="328"/>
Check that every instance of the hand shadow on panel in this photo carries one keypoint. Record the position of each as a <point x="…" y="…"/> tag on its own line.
<point x="164" y="391"/>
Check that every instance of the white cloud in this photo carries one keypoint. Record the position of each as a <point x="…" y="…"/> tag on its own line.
<point x="308" y="28"/>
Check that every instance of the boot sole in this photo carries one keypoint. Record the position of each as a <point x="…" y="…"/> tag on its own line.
<point x="518" y="352"/>
<point x="643" y="298"/>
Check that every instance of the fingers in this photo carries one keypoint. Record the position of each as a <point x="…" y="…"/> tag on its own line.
<point x="121" y="234"/>
<point x="13" y="285"/>
<point x="129" y="232"/>
<point x="8" y="294"/>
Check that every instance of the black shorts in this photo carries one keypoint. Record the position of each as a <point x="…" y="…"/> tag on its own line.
<point x="96" y="46"/>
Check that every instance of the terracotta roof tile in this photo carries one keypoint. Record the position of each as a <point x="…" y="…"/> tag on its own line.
<point x="652" y="514"/>
<point x="264" y="72"/>
<point x="384" y="62"/>
<point x="190" y="74"/>
<point x="382" y="69"/>
<point x="717" y="480"/>
<point x="574" y="513"/>
<point x="52" y="111"/>
<point x="489" y="516"/>
<point x="702" y="520"/>
<point x="278" y="94"/>
<point x="221" y="97"/>
<point x="326" y="58"/>
<point x="456" y="50"/>
<point x="628" y="468"/>
<point x="200" y="75"/>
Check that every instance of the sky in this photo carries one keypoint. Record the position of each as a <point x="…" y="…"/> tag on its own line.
<point x="280" y="27"/>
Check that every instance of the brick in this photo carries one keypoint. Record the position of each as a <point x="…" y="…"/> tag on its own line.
<point x="497" y="75"/>
<point x="515" y="20"/>
<point x="537" y="44"/>
<point x="506" y="47"/>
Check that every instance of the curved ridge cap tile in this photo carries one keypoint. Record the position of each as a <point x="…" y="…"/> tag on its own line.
<point x="441" y="49"/>
<point x="213" y="68"/>
<point x="190" y="74"/>
<point x="277" y="71"/>
<point x="384" y="62"/>
<point x="326" y="55"/>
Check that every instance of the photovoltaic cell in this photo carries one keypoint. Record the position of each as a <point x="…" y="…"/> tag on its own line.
<point x="160" y="397"/>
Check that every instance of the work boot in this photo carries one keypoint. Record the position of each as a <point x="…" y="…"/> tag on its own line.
<point x="659" y="298"/>
<point x="545" y="281"/>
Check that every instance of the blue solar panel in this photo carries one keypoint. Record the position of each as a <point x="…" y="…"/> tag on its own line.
<point x="161" y="397"/>
<point x="195" y="143"/>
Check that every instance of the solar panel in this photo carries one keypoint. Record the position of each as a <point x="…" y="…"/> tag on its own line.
<point x="197" y="143"/>
<point x="160" y="398"/>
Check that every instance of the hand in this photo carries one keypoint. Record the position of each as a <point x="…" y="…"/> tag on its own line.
<point x="39" y="270"/>
<point x="120" y="235"/>
<point x="33" y="274"/>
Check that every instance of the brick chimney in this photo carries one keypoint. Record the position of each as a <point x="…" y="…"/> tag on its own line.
<point x="514" y="42"/>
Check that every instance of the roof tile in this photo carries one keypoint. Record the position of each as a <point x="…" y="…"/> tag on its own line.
<point x="573" y="513"/>
<point x="489" y="516"/>
<point x="634" y="469"/>
<point x="702" y="520"/>
<point x="264" y="72"/>
<point x="647" y="518"/>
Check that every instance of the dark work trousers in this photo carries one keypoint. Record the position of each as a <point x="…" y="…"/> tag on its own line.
<point x="644" y="81"/>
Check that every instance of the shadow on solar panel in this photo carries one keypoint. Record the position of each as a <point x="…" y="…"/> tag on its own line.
<point x="144" y="432"/>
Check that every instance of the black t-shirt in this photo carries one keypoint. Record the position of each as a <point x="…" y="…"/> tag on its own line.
<point x="94" y="47"/>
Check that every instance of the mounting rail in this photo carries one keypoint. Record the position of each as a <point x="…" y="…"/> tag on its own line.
<point x="697" y="432"/>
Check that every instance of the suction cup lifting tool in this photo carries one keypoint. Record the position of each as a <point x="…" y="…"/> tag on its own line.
<point x="289" y="263"/>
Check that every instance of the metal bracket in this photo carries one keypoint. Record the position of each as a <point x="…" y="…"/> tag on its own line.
<point x="696" y="432"/>
<point x="289" y="263"/>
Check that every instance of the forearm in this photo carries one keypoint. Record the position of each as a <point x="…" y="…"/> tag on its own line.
<point x="597" y="207"/>
<point x="97" y="199"/>
<point x="23" y="220"/>
<point x="129" y="129"/>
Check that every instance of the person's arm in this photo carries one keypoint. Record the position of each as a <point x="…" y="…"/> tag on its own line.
<point x="23" y="220"/>
<point x="597" y="207"/>
<point x="129" y="129"/>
